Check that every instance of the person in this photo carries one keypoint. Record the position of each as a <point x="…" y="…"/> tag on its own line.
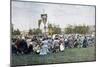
<point x="30" y="48"/>
<point x="34" y="39"/>
<point x="56" y="45"/>
<point x="23" y="46"/>
<point x="13" y="48"/>
<point x="36" y="45"/>
<point x="44" y="47"/>
<point x="17" y="44"/>
<point x="66" y="43"/>
<point x="76" y="43"/>
<point x="85" y="43"/>
<point x="50" y="44"/>
<point x="62" y="47"/>
<point x="80" y="41"/>
<point x="70" y="42"/>
<point x="36" y="48"/>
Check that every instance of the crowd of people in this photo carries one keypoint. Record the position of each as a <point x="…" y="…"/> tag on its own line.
<point x="45" y="45"/>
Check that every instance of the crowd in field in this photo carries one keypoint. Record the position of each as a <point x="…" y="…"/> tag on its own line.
<point x="45" y="45"/>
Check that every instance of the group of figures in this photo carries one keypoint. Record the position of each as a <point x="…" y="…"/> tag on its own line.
<point x="45" y="45"/>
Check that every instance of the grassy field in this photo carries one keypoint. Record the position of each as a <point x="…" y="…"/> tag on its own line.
<point x="69" y="55"/>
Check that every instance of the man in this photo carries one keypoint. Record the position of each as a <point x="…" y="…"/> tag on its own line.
<point x="56" y="45"/>
<point x="76" y="43"/>
<point x="17" y="45"/>
<point x="13" y="47"/>
<point x="23" y="46"/>
<point x="85" y="43"/>
<point x="30" y="48"/>
<point x="66" y="43"/>
<point x="70" y="42"/>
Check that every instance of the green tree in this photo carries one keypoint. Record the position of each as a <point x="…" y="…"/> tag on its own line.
<point x="50" y="29"/>
<point x="68" y="29"/>
<point x="53" y="29"/>
<point x="81" y="29"/>
<point x="16" y="32"/>
<point x="37" y="31"/>
<point x="30" y="32"/>
<point x="56" y="29"/>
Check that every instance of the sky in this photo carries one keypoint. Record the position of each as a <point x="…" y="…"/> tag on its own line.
<point x="25" y="15"/>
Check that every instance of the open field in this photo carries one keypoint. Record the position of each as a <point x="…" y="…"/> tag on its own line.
<point x="69" y="55"/>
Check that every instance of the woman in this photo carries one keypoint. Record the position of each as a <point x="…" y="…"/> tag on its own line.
<point x="44" y="47"/>
<point x="85" y="43"/>
<point x="62" y="47"/>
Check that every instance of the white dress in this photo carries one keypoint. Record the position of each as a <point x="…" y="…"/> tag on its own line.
<point x="44" y="48"/>
<point x="62" y="47"/>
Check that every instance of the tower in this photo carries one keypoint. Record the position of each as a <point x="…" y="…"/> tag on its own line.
<point x="44" y="20"/>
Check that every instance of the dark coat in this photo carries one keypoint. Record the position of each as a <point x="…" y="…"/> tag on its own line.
<point x="23" y="46"/>
<point x="85" y="43"/>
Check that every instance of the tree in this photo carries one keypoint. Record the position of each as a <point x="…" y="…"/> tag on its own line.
<point x="30" y="32"/>
<point x="81" y="29"/>
<point x="56" y="29"/>
<point x="68" y="29"/>
<point x="50" y="29"/>
<point x="37" y="31"/>
<point x="77" y="29"/>
<point x="53" y="29"/>
<point x="16" y="32"/>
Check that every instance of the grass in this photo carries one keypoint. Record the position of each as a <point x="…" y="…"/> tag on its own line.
<point x="69" y="55"/>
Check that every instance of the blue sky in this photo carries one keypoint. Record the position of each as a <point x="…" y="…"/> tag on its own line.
<point x="25" y="15"/>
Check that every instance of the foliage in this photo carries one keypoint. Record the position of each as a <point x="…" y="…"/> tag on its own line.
<point x="50" y="29"/>
<point x="77" y="29"/>
<point x="37" y="31"/>
<point x="56" y="29"/>
<point x="16" y="32"/>
<point x="69" y="30"/>
<point x="53" y="29"/>
<point x="30" y="32"/>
